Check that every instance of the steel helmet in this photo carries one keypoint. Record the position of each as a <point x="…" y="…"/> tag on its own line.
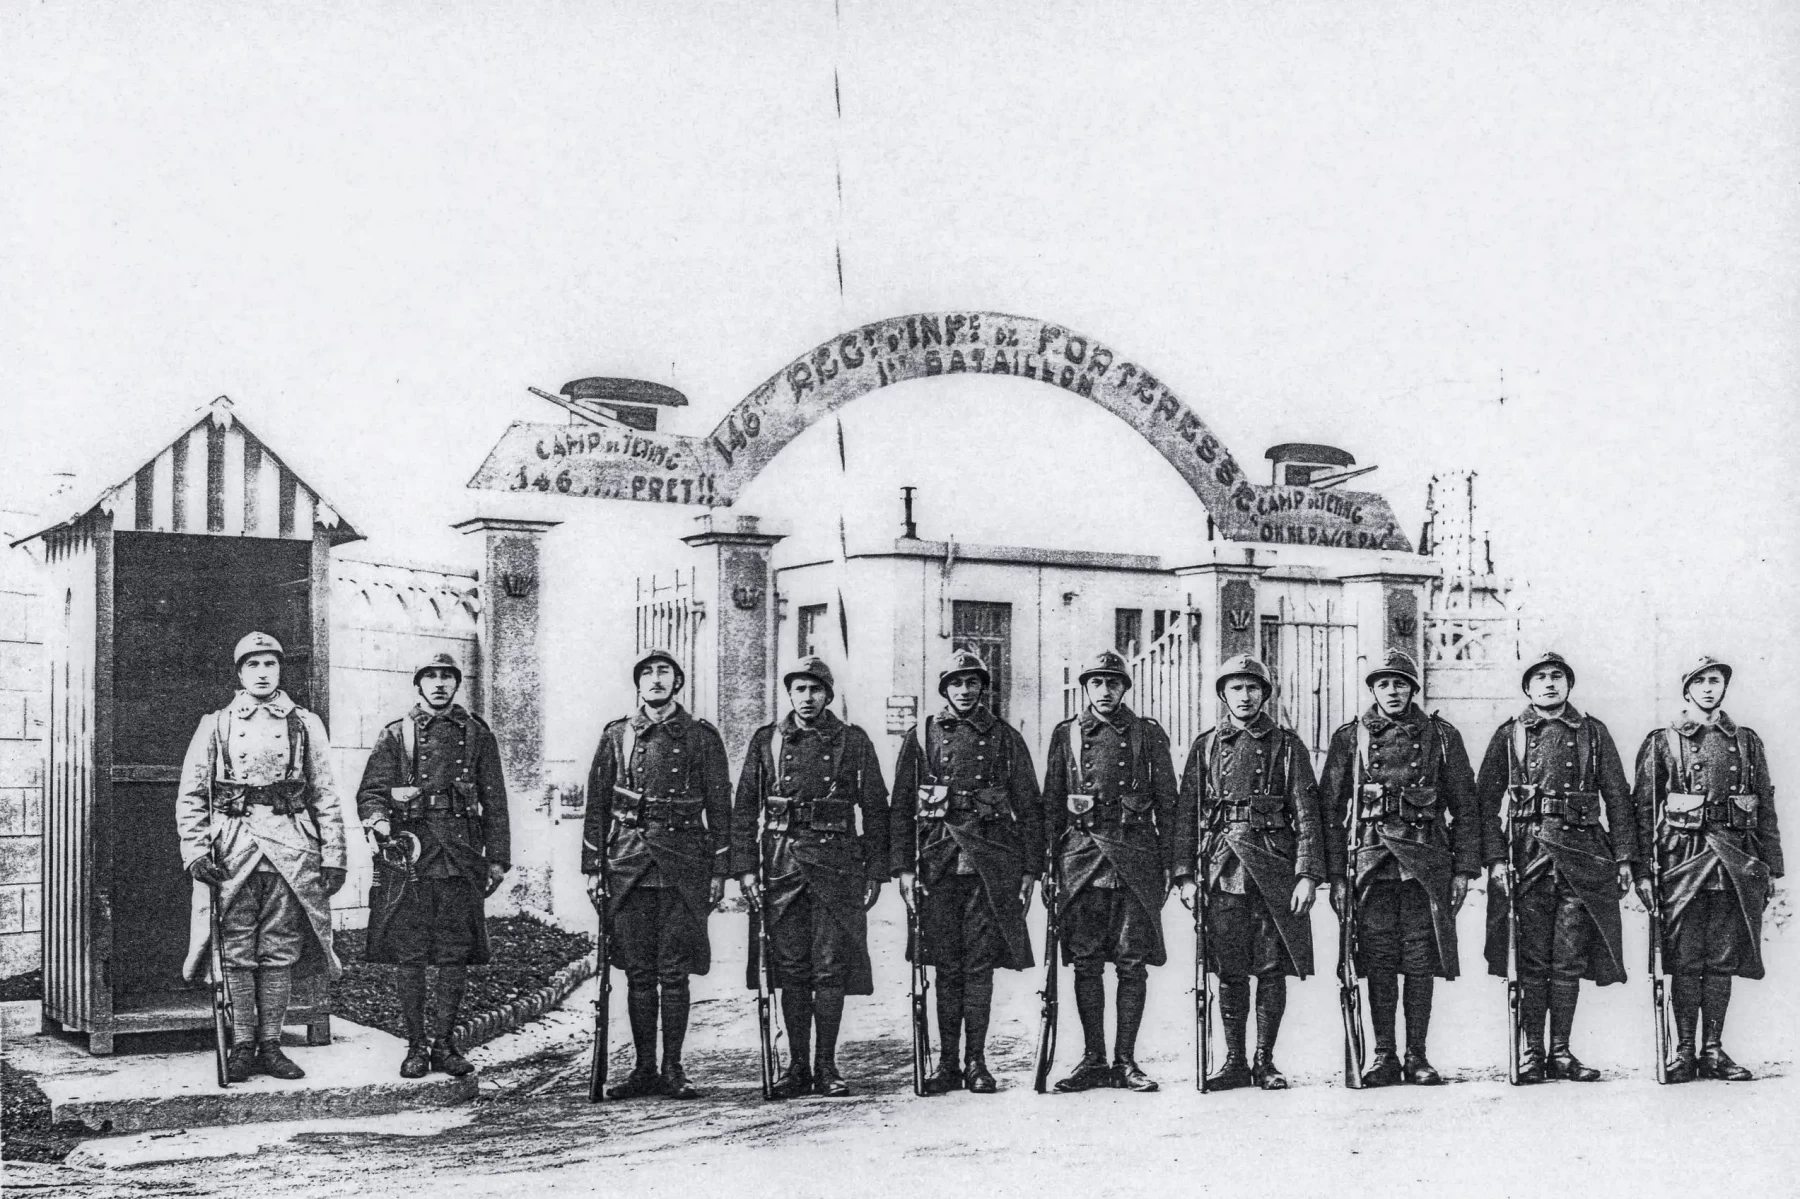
<point x="659" y="655"/>
<point x="812" y="668"/>
<point x="1707" y="662"/>
<point x="1396" y="662"/>
<point x="963" y="661"/>
<point x="1104" y="663"/>
<point x="1244" y="666"/>
<point x="1548" y="658"/>
<point x="439" y="661"/>
<point x="256" y="643"/>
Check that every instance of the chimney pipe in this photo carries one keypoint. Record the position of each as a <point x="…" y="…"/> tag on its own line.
<point x="911" y="532"/>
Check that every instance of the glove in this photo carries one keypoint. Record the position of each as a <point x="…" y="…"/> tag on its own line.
<point x="334" y="878"/>
<point x="207" y="871"/>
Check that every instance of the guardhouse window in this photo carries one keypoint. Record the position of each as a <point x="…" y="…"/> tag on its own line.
<point x="812" y="620"/>
<point x="1128" y="630"/>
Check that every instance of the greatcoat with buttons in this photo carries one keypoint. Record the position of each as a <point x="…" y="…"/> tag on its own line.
<point x="831" y="758"/>
<point x="1236" y="777"/>
<point x="257" y="752"/>
<point x="1406" y="753"/>
<point x="1140" y="852"/>
<point x="451" y="747"/>
<point x="1563" y="753"/>
<point x="974" y="755"/>
<point x="1713" y="858"/>
<point x="678" y="758"/>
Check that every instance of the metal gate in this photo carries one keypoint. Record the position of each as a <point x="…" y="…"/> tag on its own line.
<point x="986" y="628"/>
<point x="1166" y="682"/>
<point x="672" y="616"/>
<point x="1313" y="652"/>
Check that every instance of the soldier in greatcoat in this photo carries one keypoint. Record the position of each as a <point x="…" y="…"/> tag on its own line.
<point x="1552" y="784"/>
<point x="1249" y="819"/>
<point x="1706" y="806"/>
<point x="967" y="843"/>
<point x="1109" y="813"/>
<point x="262" y="833"/>
<point x="1420" y="846"/>
<point x="811" y="802"/>
<point x="655" y="848"/>
<point x="433" y="800"/>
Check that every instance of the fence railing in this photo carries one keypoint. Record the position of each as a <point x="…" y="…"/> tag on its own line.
<point x="672" y="616"/>
<point x="1165" y="684"/>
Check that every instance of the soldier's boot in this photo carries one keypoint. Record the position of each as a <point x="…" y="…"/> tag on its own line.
<point x="676" y="1001"/>
<point x="276" y="1064"/>
<point x="1132" y="992"/>
<point x="446" y="1058"/>
<point x="1234" y="1015"/>
<point x="1417" y="1002"/>
<point x="1686" y="1002"/>
<point x="417" y="1063"/>
<point x="978" y="1000"/>
<point x="274" y="986"/>
<point x="797" y="1011"/>
<point x="828" y="1016"/>
<point x="641" y="1005"/>
<point x="948" y="1075"/>
<point x="1533" y="1003"/>
<point x="240" y="1062"/>
<point x="1384" y="1004"/>
<point x="1714" y="1062"/>
<point x="1271" y="1004"/>
<point x="796" y="1080"/>
<point x="1092" y="1071"/>
<point x="1564" y="994"/>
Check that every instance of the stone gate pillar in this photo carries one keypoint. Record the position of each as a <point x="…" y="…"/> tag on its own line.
<point x="734" y="577"/>
<point x="512" y="692"/>
<point x="1391" y="614"/>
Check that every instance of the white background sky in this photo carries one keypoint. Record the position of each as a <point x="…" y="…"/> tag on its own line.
<point x="1360" y="223"/>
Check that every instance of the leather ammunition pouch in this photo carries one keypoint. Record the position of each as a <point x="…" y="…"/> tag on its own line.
<point x="785" y="814"/>
<point x="1577" y="809"/>
<point x="934" y="802"/>
<point x="1409" y="805"/>
<point x="633" y="809"/>
<point x="285" y="797"/>
<point x="1123" y="811"/>
<point x="1259" y="813"/>
<point x="458" y="801"/>
<point x="1684" y="811"/>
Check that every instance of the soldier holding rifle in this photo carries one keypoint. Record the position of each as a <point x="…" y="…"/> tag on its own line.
<point x="1550" y="776"/>
<point x="1419" y="845"/>
<point x="262" y="829"/>
<point x="1706" y="806"/>
<point x="659" y="813"/>
<point x="966" y="789"/>
<point x="1249" y="815"/>
<point x="433" y="799"/>
<point x="1109" y="811"/>
<point x="813" y="785"/>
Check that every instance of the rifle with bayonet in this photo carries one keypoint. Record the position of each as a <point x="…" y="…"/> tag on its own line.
<point x="1047" y="998"/>
<point x="765" y="992"/>
<point x="1349" y="985"/>
<point x="602" y="1000"/>
<point x="1202" y="990"/>
<point x="1659" y="989"/>
<point x="221" y="994"/>
<point x="1515" y="988"/>
<point x="921" y="985"/>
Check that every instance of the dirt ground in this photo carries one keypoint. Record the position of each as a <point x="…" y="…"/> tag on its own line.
<point x="532" y="1132"/>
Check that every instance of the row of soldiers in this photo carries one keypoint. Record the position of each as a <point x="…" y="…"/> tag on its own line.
<point x="812" y="832"/>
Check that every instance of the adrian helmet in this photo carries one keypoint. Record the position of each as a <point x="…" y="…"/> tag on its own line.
<point x="439" y="661"/>
<point x="963" y="661"/>
<point x="1548" y="658"/>
<point x="256" y="643"/>
<point x="1398" y="663"/>
<point x="1244" y="667"/>
<point x="659" y="655"/>
<point x="1104" y="663"/>
<point x="811" y="668"/>
<point x="1707" y="662"/>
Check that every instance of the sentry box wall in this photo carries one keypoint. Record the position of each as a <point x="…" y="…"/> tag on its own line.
<point x="150" y="584"/>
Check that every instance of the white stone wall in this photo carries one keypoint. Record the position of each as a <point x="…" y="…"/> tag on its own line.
<point x="22" y="716"/>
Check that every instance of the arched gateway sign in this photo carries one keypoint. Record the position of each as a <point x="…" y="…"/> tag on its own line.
<point x="629" y="464"/>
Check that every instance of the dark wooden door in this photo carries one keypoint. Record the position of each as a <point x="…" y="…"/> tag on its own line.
<point x="986" y="628"/>
<point x="180" y="604"/>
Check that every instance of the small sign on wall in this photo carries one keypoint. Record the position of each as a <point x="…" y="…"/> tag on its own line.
<point x="902" y="713"/>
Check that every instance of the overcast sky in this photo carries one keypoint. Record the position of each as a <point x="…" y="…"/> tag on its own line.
<point x="1557" y="244"/>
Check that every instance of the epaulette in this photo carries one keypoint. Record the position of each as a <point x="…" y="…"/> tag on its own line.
<point x="476" y="717"/>
<point x="705" y="724"/>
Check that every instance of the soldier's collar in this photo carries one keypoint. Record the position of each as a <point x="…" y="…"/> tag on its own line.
<point x="675" y="721"/>
<point x="979" y="716"/>
<point x="277" y="705"/>
<point x="826" y="725"/>
<point x="1376" y="721"/>
<point x="1689" y="724"/>
<point x="1119" y="721"/>
<point x="1258" y="726"/>
<point x="1570" y="716"/>
<point x="454" y="712"/>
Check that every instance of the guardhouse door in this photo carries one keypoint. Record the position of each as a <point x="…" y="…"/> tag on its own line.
<point x="181" y="601"/>
<point x="986" y="628"/>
